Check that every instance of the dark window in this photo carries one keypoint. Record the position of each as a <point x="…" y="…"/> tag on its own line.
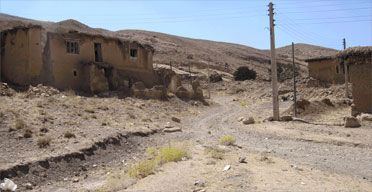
<point x="337" y="70"/>
<point x="133" y="53"/>
<point x="98" y="52"/>
<point x="75" y="73"/>
<point x="72" y="47"/>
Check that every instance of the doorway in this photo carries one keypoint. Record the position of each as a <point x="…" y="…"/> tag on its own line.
<point x="98" y="52"/>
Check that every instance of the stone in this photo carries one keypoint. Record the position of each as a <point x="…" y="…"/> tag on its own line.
<point x="240" y="119"/>
<point x="327" y="102"/>
<point x="248" y="121"/>
<point x="75" y="180"/>
<point x="28" y="186"/>
<point x="171" y="130"/>
<point x="286" y="118"/>
<point x="351" y="122"/>
<point x="199" y="183"/>
<point x="227" y="167"/>
<point x="242" y="160"/>
<point x="366" y="117"/>
<point x="175" y="119"/>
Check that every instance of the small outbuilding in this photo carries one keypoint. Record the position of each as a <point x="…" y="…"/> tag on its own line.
<point x="359" y="60"/>
<point x="328" y="69"/>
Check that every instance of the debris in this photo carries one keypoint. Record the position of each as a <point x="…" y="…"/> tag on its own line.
<point x="171" y="130"/>
<point x="8" y="185"/>
<point x="351" y="122"/>
<point x="248" y="121"/>
<point x="227" y="167"/>
<point x="75" y="180"/>
<point x="41" y="91"/>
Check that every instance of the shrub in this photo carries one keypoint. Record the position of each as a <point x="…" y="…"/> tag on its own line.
<point x="143" y="168"/>
<point x="19" y="124"/>
<point x="171" y="154"/>
<point x="27" y="133"/>
<point x="244" y="73"/>
<point x="157" y="158"/>
<point x="216" y="153"/>
<point x="43" y="142"/>
<point x="227" y="140"/>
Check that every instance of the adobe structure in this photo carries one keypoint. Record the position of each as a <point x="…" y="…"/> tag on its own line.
<point x="359" y="60"/>
<point x="70" y="59"/>
<point x="327" y="69"/>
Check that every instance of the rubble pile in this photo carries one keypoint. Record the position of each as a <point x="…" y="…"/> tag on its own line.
<point x="5" y="90"/>
<point x="41" y="91"/>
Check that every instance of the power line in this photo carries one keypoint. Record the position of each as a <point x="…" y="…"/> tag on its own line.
<point x="329" y="10"/>
<point x="332" y="22"/>
<point x="360" y="16"/>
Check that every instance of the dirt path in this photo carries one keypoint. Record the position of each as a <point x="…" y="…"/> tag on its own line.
<point x="280" y="156"/>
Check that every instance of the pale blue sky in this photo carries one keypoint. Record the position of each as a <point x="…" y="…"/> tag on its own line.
<point x="320" y="22"/>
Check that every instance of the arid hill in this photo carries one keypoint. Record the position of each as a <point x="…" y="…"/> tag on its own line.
<point x="182" y="52"/>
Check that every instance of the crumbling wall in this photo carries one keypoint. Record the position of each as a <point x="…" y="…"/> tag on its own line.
<point x="361" y="78"/>
<point x="326" y="70"/>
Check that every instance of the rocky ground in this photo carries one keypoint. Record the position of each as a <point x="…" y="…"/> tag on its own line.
<point x="109" y="135"/>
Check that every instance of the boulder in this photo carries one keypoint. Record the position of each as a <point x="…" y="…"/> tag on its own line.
<point x="198" y="94"/>
<point x="175" y="119"/>
<point x="351" y="122"/>
<point x="248" y="121"/>
<point x="174" y="83"/>
<point x="215" y="77"/>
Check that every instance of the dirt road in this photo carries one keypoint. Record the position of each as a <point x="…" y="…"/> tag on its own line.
<point x="280" y="156"/>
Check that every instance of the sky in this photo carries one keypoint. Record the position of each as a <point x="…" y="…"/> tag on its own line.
<point x="318" y="22"/>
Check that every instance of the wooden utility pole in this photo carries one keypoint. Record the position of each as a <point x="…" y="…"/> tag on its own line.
<point x="274" y="74"/>
<point x="346" y="72"/>
<point x="294" y="82"/>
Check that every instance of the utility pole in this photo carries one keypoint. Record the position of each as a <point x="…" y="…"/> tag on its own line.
<point x="274" y="74"/>
<point x="294" y="82"/>
<point x="346" y="72"/>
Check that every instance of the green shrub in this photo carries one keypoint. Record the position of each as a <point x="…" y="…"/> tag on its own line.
<point x="216" y="153"/>
<point x="244" y="73"/>
<point x="171" y="154"/>
<point x="227" y="140"/>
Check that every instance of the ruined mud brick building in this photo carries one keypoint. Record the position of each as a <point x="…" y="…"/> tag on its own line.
<point x="70" y="59"/>
<point x="359" y="60"/>
<point x="328" y="69"/>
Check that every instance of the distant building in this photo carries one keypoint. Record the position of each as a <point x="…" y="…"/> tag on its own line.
<point x="327" y="69"/>
<point x="359" y="60"/>
<point x="68" y="59"/>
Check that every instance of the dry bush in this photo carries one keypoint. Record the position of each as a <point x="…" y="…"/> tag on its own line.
<point x="19" y="124"/>
<point x="215" y="153"/>
<point x="143" y="168"/>
<point x="157" y="157"/>
<point x="227" y="140"/>
<point x="69" y="135"/>
<point x="27" y="133"/>
<point x="43" y="142"/>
